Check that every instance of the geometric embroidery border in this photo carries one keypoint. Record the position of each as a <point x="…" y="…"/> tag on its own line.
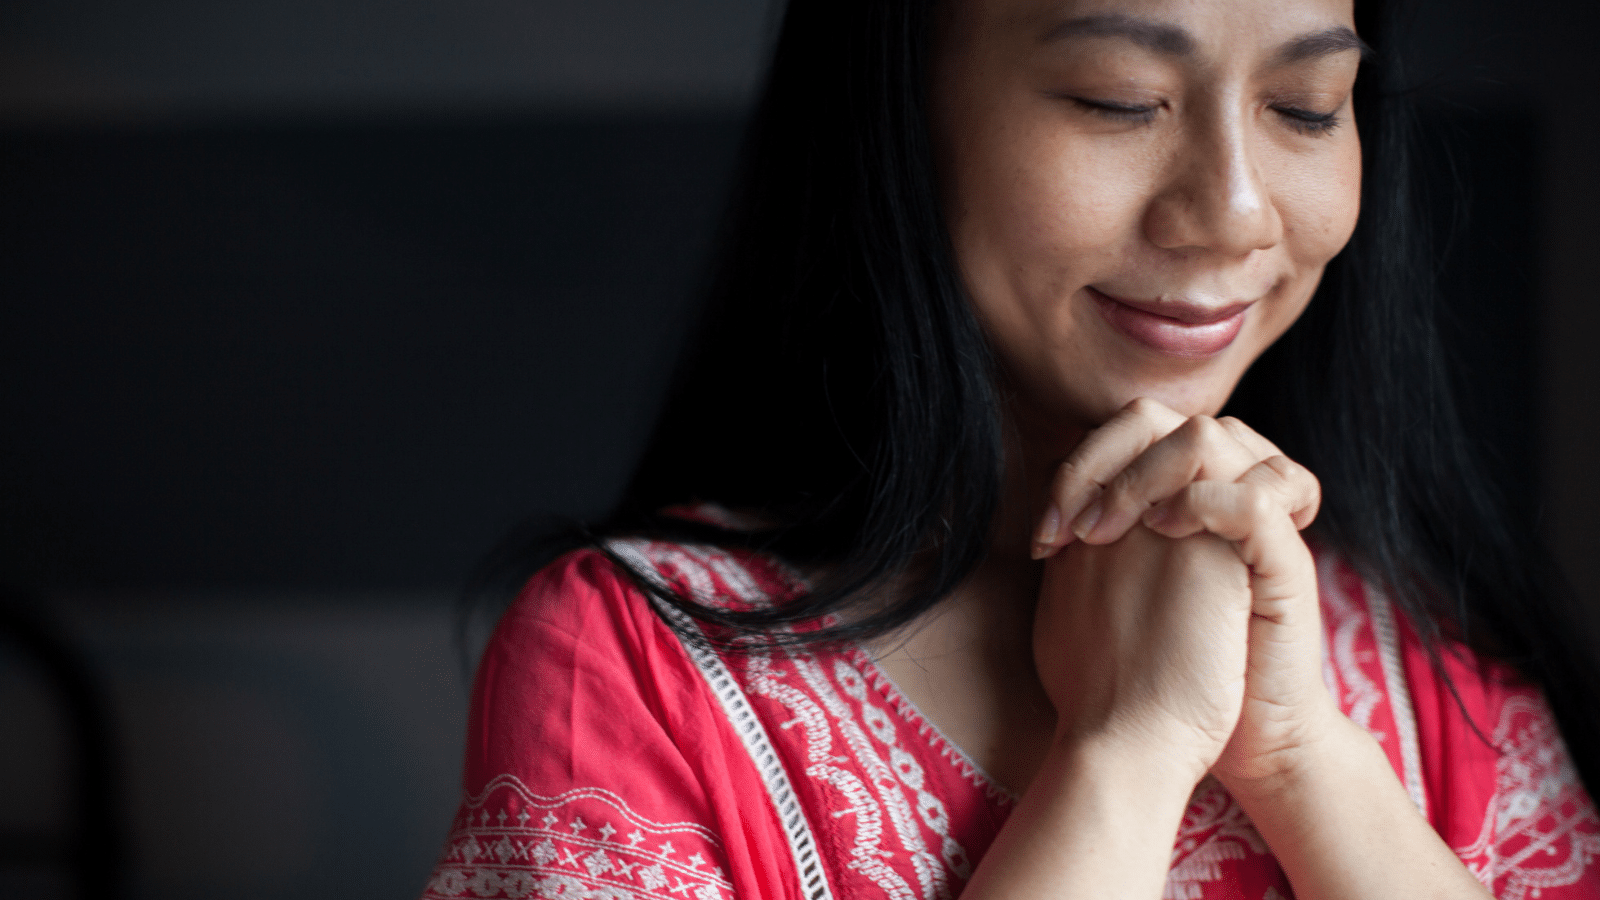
<point x="493" y="853"/>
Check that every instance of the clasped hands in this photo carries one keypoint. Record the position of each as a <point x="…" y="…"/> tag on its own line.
<point x="1178" y="618"/>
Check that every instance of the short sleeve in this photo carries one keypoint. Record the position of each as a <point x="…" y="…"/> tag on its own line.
<point x="600" y="765"/>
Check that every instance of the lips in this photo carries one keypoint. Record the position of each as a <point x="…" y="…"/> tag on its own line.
<point x="1173" y="328"/>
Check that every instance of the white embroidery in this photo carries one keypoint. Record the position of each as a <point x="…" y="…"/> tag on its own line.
<point x="909" y="772"/>
<point x="931" y="877"/>
<point x="493" y="853"/>
<point x="1361" y="696"/>
<point x="649" y="559"/>
<point x="1214" y="829"/>
<point x="1540" y="831"/>
<point x="868" y="802"/>
<point x="866" y="856"/>
<point x="1399" y="694"/>
<point x="908" y="712"/>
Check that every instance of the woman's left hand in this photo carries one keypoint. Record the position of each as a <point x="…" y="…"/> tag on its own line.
<point x="1184" y="475"/>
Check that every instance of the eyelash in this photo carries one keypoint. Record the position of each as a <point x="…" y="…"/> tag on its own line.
<point x="1307" y="122"/>
<point x="1304" y="121"/>
<point x="1117" y="111"/>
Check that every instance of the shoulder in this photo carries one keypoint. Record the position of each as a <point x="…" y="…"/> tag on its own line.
<point x="598" y="757"/>
<point x="592" y="602"/>
<point x="584" y="629"/>
<point x="713" y="576"/>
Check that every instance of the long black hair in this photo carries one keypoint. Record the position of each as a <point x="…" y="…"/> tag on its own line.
<point x="840" y="390"/>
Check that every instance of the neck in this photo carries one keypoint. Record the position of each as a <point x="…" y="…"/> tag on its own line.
<point x="1033" y="452"/>
<point x="968" y="664"/>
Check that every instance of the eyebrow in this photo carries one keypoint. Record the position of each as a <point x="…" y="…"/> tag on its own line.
<point x="1337" y="39"/>
<point x="1171" y="40"/>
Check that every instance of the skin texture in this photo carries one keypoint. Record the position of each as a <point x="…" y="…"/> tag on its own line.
<point x="1142" y="196"/>
<point x="1212" y="194"/>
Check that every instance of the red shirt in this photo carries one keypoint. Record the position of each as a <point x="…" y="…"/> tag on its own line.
<point x="608" y="758"/>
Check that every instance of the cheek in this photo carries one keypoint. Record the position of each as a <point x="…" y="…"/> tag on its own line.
<point x="1321" y="205"/>
<point x="1032" y="202"/>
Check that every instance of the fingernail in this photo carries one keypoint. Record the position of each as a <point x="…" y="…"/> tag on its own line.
<point x="1087" y="520"/>
<point x="1049" y="526"/>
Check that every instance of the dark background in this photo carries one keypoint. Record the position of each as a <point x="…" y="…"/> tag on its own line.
<point x="303" y="305"/>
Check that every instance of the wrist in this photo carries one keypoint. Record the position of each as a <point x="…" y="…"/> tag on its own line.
<point x="1339" y="751"/>
<point x="1131" y="765"/>
<point x="1341" y="824"/>
<point x="1098" y="819"/>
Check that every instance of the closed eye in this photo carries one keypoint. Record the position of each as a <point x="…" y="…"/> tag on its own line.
<point x="1308" y="121"/>
<point x="1120" y="112"/>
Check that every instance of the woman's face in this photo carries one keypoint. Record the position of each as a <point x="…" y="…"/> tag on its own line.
<point x="1142" y="194"/>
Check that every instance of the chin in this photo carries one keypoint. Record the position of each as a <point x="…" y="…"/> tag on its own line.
<point x="1191" y="397"/>
<point x="1061" y="412"/>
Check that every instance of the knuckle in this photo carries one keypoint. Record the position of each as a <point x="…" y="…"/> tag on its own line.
<point x="1296" y="474"/>
<point x="1071" y="470"/>
<point x="1189" y="435"/>
<point x="1238" y="429"/>
<point x="1142" y="407"/>
<point x="1283" y="467"/>
<point x="1259" y="502"/>
<point x="1209" y="430"/>
<point x="1203" y="433"/>
<point x="1120" y="489"/>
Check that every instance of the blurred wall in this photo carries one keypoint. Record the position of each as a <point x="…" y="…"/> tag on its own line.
<point x="302" y="307"/>
<point x="1570" y="317"/>
<point x="95" y="58"/>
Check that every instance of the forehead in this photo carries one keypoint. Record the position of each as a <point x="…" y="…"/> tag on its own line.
<point x="1171" y="26"/>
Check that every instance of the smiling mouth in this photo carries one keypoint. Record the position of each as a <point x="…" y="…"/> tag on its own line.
<point x="1175" y="328"/>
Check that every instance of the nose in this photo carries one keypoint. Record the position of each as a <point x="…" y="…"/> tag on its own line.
<point x="1214" y="197"/>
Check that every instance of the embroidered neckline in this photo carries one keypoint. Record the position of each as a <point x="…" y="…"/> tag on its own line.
<point x="797" y="830"/>
<point x="954" y="755"/>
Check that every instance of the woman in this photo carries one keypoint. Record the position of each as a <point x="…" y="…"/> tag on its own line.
<point x="989" y="602"/>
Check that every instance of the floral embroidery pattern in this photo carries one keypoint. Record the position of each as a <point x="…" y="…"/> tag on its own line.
<point x="1541" y="830"/>
<point x="844" y="752"/>
<point x="797" y="830"/>
<point x="585" y="844"/>
<point x="1348" y="646"/>
<point x="874" y="779"/>
<point x="936" y="741"/>
<point x="867" y="854"/>
<point x="1214" y="829"/>
<point x="905" y="766"/>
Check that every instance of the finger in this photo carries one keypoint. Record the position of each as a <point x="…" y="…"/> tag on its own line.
<point x="1097" y="459"/>
<point x="1253" y="518"/>
<point x="1201" y="449"/>
<point x="1298" y="491"/>
<point x="1308" y="489"/>
<point x="1249" y="437"/>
